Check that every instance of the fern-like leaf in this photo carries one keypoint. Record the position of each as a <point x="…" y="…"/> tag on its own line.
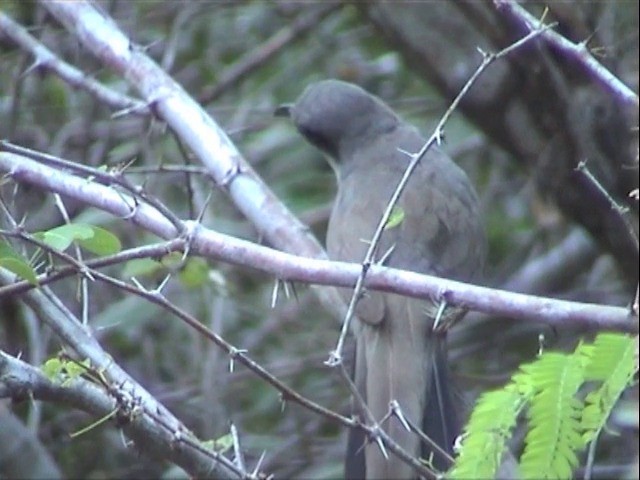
<point x="612" y="360"/>
<point x="560" y="424"/>
<point x="554" y="417"/>
<point x="486" y="433"/>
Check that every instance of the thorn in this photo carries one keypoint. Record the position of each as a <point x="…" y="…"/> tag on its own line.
<point x="229" y="176"/>
<point x="124" y="166"/>
<point x="380" y="443"/>
<point x="204" y="207"/>
<point x="274" y="293"/>
<point x="386" y="255"/>
<point x="159" y="288"/>
<point x="439" y="315"/>
<point x="239" y="460"/>
<point x="134" y="107"/>
<point x="544" y="14"/>
<point x="407" y="153"/>
<point x="292" y="285"/>
<point x="397" y="411"/>
<point x="457" y="443"/>
<point x="287" y="293"/>
<point x="233" y="353"/>
<point x="581" y="165"/>
<point x="258" y="464"/>
<point x="34" y="66"/>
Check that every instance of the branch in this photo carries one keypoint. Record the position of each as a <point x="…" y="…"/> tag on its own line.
<point x="577" y="51"/>
<point x="198" y="131"/>
<point x="151" y="434"/>
<point x="235" y="354"/>
<point x="269" y="49"/>
<point x="45" y="59"/>
<point x="211" y="244"/>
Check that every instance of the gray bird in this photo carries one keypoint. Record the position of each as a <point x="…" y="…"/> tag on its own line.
<point x="398" y="354"/>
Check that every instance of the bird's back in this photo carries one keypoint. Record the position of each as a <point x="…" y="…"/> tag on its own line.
<point x="439" y="233"/>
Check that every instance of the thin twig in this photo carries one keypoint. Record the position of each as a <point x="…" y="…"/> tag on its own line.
<point x="114" y="177"/>
<point x="265" y="52"/>
<point x="157" y="298"/>
<point x="45" y="59"/>
<point x="621" y="210"/>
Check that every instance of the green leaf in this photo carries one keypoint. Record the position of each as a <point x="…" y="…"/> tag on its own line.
<point x="195" y="273"/>
<point x="221" y="444"/>
<point x="103" y="242"/>
<point x="172" y="260"/>
<point x="486" y="433"/>
<point x="396" y="218"/>
<point x="142" y="267"/>
<point x="14" y="262"/>
<point x="192" y="272"/>
<point x="63" y="371"/>
<point x="612" y="361"/>
<point x="52" y="368"/>
<point x="94" y="239"/>
<point x="129" y="314"/>
<point x="56" y="95"/>
<point x="60" y="238"/>
<point x="554" y="435"/>
<point x="560" y="423"/>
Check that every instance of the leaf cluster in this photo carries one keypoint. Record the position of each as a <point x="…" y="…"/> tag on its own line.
<point x="562" y="421"/>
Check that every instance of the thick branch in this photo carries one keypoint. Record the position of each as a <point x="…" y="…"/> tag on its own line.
<point x="19" y="381"/>
<point x="285" y="266"/>
<point x="577" y="51"/>
<point x="197" y="130"/>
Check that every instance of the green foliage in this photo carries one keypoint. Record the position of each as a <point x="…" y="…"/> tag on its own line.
<point x="560" y="423"/>
<point x="62" y="370"/>
<point x="489" y="427"/>
<point x="16" y="263"/>
<point x="396" y="218"/>
<point x="142" y="267"/>
<point x="612" y="361"/>
<point x="220" y="444"/>
<point x="553" y="414"/>
<point x="199" y="44"/>
<point x="193" y="272"/>
<point x="94" y="239"/>
<point x="55" y="94"/>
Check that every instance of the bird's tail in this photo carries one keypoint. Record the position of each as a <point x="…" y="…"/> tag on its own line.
<point x="440" y="421"/>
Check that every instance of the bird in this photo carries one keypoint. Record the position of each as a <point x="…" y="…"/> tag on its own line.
<point x="399" y="356"/>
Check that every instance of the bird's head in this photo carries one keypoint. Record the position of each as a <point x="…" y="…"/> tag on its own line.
<point x="339" y="117"/>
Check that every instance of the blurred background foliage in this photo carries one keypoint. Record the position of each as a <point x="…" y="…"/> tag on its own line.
<point x="518" y="136"/>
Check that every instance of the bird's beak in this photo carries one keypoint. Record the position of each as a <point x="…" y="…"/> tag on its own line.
<point x="283" y="110"/>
